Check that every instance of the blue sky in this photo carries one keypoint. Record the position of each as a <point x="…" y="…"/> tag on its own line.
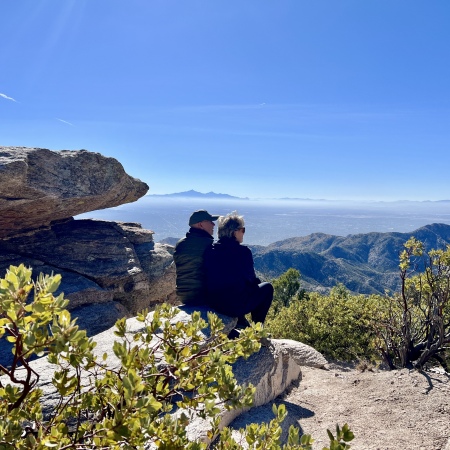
<point x="336" y="99"/>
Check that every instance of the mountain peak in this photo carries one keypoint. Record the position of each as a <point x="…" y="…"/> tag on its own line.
<point x="195" y="194"/>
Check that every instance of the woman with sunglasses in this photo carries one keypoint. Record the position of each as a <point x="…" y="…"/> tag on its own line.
<point x="233" y="288"/>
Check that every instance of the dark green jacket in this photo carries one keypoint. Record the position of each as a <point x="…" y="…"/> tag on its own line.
<point x="188" y="257"/>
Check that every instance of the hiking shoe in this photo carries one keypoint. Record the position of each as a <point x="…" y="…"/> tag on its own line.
<point x="242" y="322"/>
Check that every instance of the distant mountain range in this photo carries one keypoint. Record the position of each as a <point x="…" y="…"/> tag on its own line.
<point x="212" y="195"/>
<point x="364" y="263"/>
<point x="195" y="194"/>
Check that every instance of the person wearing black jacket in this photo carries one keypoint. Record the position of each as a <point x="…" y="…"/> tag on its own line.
<point x="188" y="257"/>
<point x="233" y="288"/>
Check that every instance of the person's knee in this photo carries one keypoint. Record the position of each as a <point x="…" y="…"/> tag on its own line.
<point x="267" y="289"/>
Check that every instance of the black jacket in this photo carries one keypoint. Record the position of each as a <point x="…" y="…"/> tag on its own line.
<point x="188" y="257"/>
<point x="230" y="275"/>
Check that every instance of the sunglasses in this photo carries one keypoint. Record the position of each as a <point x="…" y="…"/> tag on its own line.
<point x="242" y="228"/>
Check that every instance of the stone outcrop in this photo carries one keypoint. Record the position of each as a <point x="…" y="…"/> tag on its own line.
<point x="100" y="261"/>
<point x="109" y="269"/>
<point x="40" y="186"/>
<point x="272" y="371"/>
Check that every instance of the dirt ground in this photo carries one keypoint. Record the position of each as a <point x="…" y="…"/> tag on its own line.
<point x="386" y="410"/>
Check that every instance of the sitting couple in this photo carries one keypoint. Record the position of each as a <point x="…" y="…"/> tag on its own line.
<point x="220" y="274"/>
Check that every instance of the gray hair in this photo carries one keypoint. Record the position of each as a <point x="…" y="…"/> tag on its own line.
<point x="228" y="224"/>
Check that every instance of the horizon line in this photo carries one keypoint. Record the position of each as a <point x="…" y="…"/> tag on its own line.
<point x="221" y="196"/>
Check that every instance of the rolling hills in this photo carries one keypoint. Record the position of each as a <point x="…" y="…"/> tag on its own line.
<point x="364" y="263"/>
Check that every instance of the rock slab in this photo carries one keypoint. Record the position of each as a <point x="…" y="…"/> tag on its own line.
<point x="40" y="186"/>
<point x="109" y="269"/>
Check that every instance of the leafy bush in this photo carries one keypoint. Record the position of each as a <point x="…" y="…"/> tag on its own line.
<point x="286" y="288"/>
<point x="167" y="375"/>
<point x="339" y="325"/>
<point x="409" y="328"/>
<point x="416" y="329"/>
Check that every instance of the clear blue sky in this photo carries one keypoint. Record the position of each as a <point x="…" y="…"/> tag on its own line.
<point x="337" y="99"/>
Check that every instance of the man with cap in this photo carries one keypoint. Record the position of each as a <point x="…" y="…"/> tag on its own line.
<point x="188" y="257"/>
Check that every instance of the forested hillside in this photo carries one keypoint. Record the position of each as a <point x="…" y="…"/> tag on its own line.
<point x="364" y="263"/>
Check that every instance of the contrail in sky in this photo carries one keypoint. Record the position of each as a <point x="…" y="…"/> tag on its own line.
<point x="65" y="121"/>
<point x="6" y="97"/>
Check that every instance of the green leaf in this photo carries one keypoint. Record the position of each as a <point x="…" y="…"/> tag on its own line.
<point x="55" y="281"/>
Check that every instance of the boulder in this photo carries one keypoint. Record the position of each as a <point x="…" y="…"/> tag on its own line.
<point x="109" y="269"/>
<point x="272" y="370"/>
<point x="110" y="263"/>
<point x="40" y="186"/>
<point x="120" y="258"/>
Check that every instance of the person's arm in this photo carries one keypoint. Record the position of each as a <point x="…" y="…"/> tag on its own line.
<point x="248" y="266"/>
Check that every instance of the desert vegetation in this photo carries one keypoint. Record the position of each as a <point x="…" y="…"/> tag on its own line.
<point x="409" y="328"/>
<point x="166" y="376"/>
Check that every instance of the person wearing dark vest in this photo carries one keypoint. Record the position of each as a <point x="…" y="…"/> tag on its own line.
<point x="188" y="257"/>
<point x="233" y="288"/>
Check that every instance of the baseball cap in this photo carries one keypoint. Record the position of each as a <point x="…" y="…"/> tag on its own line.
<point x="200" y="215"/>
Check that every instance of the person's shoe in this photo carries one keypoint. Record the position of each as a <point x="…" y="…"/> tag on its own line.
<point x="265" y="342"/>
<point x="242" y="322"/>
<point x="233" y="334"/>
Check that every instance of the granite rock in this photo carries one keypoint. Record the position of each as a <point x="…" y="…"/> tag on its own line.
<point x="40" y="186"/>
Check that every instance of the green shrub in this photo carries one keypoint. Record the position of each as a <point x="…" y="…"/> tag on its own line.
<point x="286" y="288"/>
<point x="410" y="328"/>
<point x="416" y="328"/>
<point x="339" y="325"/>
<point x="164" y="368"/>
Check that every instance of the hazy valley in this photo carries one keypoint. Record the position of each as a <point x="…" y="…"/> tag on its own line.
<point x="329" y="242"/>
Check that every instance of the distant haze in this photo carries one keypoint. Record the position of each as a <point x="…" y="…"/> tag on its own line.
<point x="268" y="221"/>
<point x="195" y="194"/>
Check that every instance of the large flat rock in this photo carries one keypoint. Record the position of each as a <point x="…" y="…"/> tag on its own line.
<point x="40" y="186"/>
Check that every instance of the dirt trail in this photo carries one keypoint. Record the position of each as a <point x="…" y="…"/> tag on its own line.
<point x="386" y="410"/>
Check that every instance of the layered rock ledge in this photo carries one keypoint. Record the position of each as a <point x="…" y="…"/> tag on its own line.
<point x="109" y="269"/>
